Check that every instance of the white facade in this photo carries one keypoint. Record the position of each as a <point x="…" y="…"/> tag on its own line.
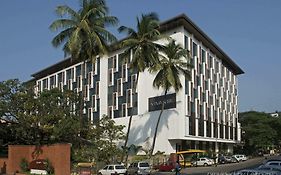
<point x="206" y="114"/>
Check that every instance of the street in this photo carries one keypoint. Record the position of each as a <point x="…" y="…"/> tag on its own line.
<point x="222" y="169"/>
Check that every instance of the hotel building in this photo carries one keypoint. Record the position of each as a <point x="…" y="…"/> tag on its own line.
<point x="202" y="115"/>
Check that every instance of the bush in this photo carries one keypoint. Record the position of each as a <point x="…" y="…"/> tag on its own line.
<point x="49" y="167"/>
<point x="24" y="165"/>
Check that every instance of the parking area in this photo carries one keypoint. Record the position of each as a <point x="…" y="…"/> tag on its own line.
<point x="223" y="168"/>
<point x="227" y="168"/>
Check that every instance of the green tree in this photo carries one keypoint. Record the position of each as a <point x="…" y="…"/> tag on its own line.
<point x="261" y="131"/>
<point x="141" y="44"/>
<point x="83" y="32"/>
<point x="103" y="138"/>
<point x="47" y="118"/>
<point x="173" y="62"/>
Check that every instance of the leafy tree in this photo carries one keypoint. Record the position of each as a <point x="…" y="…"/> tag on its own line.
<point x="103" y="138"/>
<point x="261" y="130"/>
<point x="141" y="43"/>
<point x="43" y="119"/>
<point x="83" y="32"/>
<point x="173" y="62"/>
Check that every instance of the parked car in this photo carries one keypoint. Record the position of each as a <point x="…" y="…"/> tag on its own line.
<point x="139" y="168"/>
<point x="226" y="159"/>
<point x="256" y="172"/>
<point x="240" y="157"/>
<point x="113" y="169"/>
<point x="270" y="167"/>
<point x="203" y="161"/>
<point x="167" y="166"/>
<point x="273" y="163"/>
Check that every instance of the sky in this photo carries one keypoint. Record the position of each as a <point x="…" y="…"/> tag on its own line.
<point x="248" y="31"/>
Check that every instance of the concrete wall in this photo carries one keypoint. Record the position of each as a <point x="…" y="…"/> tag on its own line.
<point x="58" y="155"/>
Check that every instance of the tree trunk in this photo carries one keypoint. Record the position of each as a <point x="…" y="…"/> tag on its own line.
<point x="156" y="129"/>
<point x="126" y="140"/>
<point x="129" y="128"/>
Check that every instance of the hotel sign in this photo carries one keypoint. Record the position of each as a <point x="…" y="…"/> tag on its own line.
<point x="155" y="103"/>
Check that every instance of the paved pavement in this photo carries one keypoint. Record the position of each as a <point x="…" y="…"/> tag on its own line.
<point x="222" y="169"/>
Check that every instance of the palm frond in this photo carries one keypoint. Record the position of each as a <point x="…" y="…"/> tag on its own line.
<point x="62" y="24"/>
<point x="62" y="37"/>
<point x="65" y="10"/>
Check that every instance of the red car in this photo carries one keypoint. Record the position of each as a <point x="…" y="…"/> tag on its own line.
<point x="168" y="166"/>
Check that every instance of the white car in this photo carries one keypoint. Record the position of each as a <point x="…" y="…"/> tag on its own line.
<point x="203" y="161"/>
<point x="113" y="169"/>
<point x="240" y="157"/>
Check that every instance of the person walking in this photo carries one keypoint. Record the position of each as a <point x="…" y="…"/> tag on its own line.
<point x="178" y="168"/>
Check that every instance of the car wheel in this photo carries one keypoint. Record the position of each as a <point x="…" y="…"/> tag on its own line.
<point x="99" y="173"/>
<point x="205" y="164"/>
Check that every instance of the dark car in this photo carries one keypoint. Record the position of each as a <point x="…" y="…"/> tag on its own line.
<point x="226" y="159"/>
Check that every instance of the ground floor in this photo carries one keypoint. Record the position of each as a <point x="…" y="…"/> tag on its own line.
<point x="209" y="146"/>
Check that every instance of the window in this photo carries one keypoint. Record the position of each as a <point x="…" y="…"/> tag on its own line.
<point x="186" y="44"/>
<point x="45" y="83"/>
<point x="86" y="93"/>
<point x="94" y="103"/>
<point x="94" y="69"/>
<point x="69" y="84"/>
<point x="110" y="168"/>
<point x="110" y="77"/>
<point x="114" y="101"/>
<point x="63" y="78"/>
<point x="110" y="112"/>
<point x="129" y="98"/>
<point x="39" y="86"/>
<point x="61" y="86"/>
<point x="79" y="83"/>
<point x="84" y="69"/>
<point x="52" y="82"/>
<point x="124" y="73"/>
<point x="97" y="90"/>
<point x="72" y="73"/>
<point x="195" y="53"/>
<point x="114" y="63"/>
<point x="124" y="110"/>
<point x="134" y="83"/>
<point x="90" y="114"/>
<point x="90" y="79"/>
<point x="119" y="87"/>
<point x="203" y="56"/>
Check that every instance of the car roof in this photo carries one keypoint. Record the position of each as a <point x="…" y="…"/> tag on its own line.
<point x="270" y="166"/>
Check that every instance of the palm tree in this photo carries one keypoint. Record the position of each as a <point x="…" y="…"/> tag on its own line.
<point x="172" y="65"/>
<point x="141" y="43"/>
<point x="83" y="34"/>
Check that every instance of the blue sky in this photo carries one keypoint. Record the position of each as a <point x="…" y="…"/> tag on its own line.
<point x="248" y="31"/>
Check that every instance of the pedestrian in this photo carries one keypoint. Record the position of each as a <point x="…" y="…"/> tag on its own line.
<point x="178" y="168"/>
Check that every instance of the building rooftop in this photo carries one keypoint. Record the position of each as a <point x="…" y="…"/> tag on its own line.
<point x="181" y="20"/>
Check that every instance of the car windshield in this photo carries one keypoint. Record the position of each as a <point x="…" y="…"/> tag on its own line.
<point x="118" y="167"/>
<point x="144" y="165"/>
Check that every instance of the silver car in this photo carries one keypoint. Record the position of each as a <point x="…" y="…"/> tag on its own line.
<point x="139" y="168"/>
